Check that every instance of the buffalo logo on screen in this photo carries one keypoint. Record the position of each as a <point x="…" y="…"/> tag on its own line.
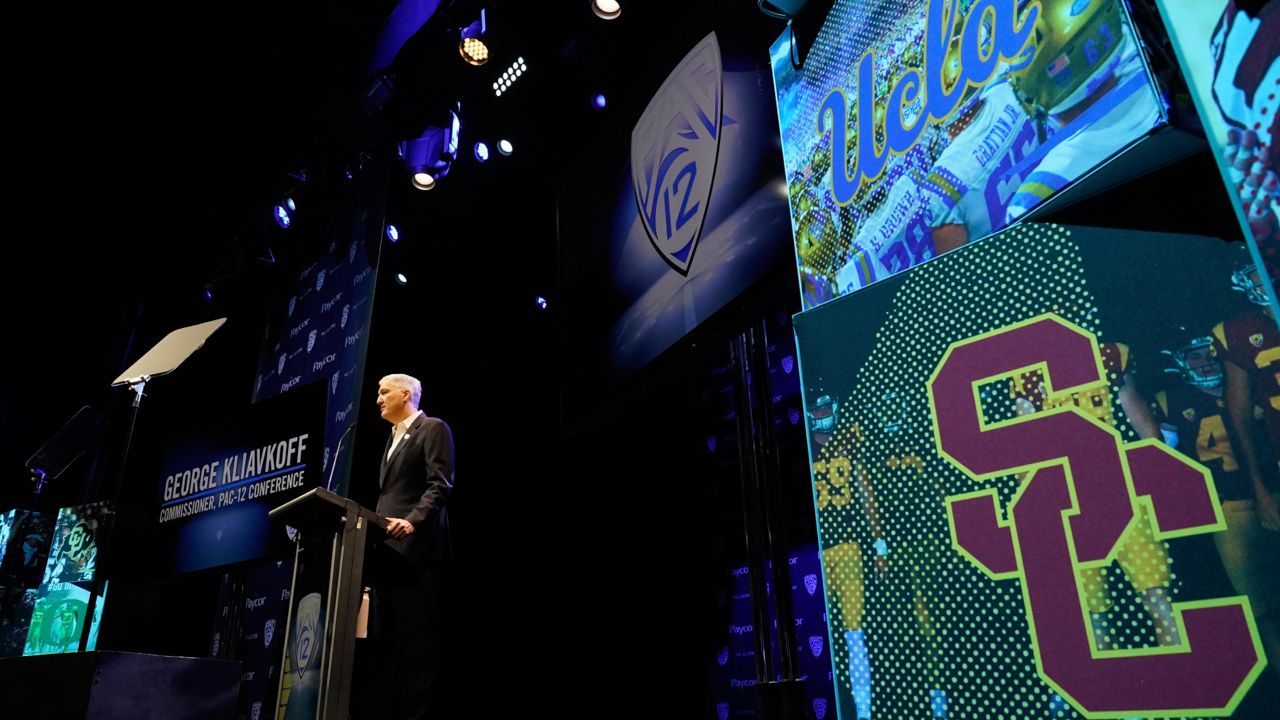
<point x="255" y="711"/>
<point x="811" y="584"/>
<point x="293" y="303"/>
<point x="722" y="658"/>
<point x="819" y="708"/>
<point x="304" y="642"/>
<point x="674" y="147"/>
<point x="268" y="632"/>
<point x="722" y="711"/>
<point x="319" y="280"/>
<point x="311" y="340"/>
<point x="815" y="645"/>
<point x="280" y="363"/>
<point x="346" y="311"/>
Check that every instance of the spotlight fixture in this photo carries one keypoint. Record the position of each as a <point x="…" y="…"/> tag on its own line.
<point x="429" y="157"/>
<point x="541" y="302"/>
<point x="482" y="152"/>
<point x="505" y="147"/>
<point x="393" y="233"/>
<point x="606" y="9"/>
<point x="283" y="218"/>
<point x="509" y="76"/>
<point x="400" y="278"/>
<point x="599" y="101"/>
<point x="471" y="43"/>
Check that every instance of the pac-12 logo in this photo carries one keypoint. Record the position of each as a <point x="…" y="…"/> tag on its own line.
<point x="674" y="147"/>
<point x="305" y="642"/>
<point x="1080" y="485"/>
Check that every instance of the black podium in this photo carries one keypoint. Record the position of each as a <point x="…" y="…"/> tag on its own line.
<point x="321" y="518"/>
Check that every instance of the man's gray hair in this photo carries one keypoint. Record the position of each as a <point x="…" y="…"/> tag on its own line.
<point x="405" y="382"/>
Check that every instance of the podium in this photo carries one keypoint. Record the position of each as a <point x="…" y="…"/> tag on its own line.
<point x="323" y="518"/>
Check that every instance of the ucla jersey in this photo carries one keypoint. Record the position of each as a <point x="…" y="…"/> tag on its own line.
<point x="974" y="179"/>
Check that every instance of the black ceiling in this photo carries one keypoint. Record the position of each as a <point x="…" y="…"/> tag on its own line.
<point x="151" y="140"/>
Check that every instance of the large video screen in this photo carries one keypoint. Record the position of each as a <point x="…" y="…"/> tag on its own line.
<point x="1044" y="469"/>
<point x="913" y="127"/>
<point x="654" y="243"/>
<point x="1230" y="56"/>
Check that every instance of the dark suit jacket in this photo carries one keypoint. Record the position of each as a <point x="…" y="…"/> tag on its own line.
<point x="416" y="482"/>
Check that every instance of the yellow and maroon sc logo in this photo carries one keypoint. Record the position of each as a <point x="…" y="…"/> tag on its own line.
<point x="1081" y="487"/>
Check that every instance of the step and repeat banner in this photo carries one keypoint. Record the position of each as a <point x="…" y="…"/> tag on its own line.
<point x="1045" y="472"/>
<point x="914" y="127"/>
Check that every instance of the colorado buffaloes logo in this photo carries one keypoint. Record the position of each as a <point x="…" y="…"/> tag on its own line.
<point x="1081" y="485"/>
<point x="305" y="641"/>
<point x="674" y="147"/>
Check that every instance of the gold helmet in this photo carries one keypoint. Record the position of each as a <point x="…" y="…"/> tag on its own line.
<point x="1072" y="39"/>
<point x="816" y="239"/>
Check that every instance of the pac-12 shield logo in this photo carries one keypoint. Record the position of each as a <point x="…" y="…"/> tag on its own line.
<point x="268" y="632"/>
<point x="255" y="711"/>
<point x="811" y="584"/>
<point x="674" y="147"/>
<point x="280" y="364"/>
<point x="319" y="280"/>
<point x="311" y="340"/>
<point x="306" y="641"/>
<point x="819" y="708"/>
<point x="815" y="645"/>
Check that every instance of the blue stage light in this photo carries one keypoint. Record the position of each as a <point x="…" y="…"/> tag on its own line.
<point x="542" y="302"/>
<point x="400" y="278"/>
<point x="393" y="233"/>
<point x="482" y="152"/>
<point x="599" y="101"/>
<point x="505" y="147"/>
<point x="283" y="219"/>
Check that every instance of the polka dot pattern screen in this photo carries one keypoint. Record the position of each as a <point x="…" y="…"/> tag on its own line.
<point x="918" y="630"/>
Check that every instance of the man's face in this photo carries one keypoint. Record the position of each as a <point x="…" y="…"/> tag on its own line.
<point x="393" y="402"/>
<point x="1202" y="362"/>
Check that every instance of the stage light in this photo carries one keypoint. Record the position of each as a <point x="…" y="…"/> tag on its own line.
<point x="208" y="294"/>
<point x="505" y="147"/>
<point x="599" y="101"/>
<point x="541" y="302"/>
<point x="283" y="219"/>
<point x="471" y="45"/>
<point x="289" y="203"/>
<point x="482" y="152"/>
<point x="606" y="9"/>
<point x="428" y="158"/>
<point x="400" y="278"/>
<point x="509" y="76"/>
<point x="393" y="234"/>
<point x="423" y="181"/>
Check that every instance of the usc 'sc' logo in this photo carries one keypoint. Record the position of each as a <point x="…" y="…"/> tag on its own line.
<point x="1078" y="497"/>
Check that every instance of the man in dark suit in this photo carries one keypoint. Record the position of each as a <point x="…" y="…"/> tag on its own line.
<point x="416" y="478"/>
